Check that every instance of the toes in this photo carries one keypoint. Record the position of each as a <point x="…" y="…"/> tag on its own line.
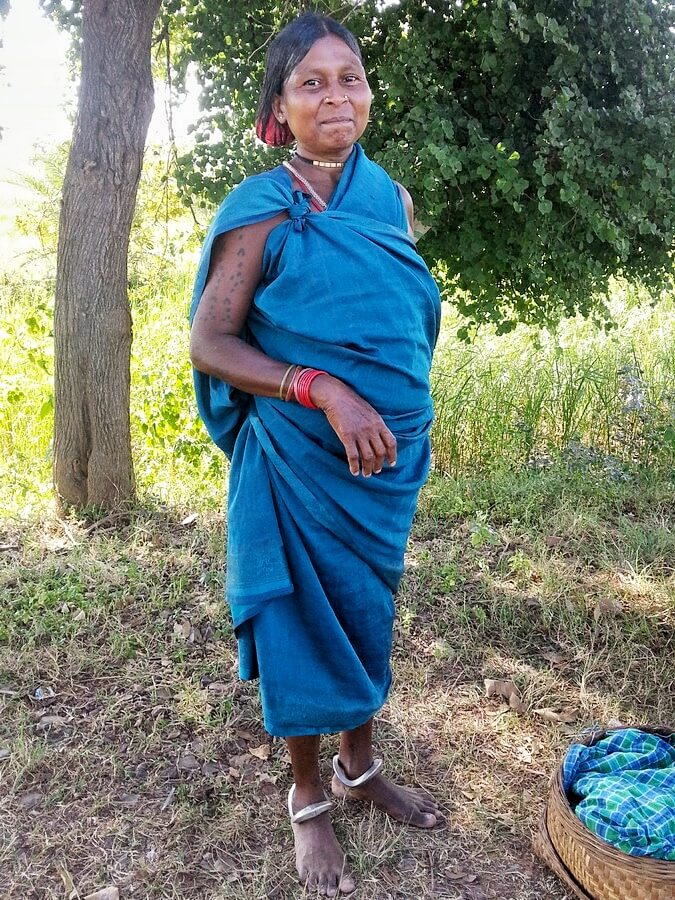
<point x="322" y="886"/>
<point x="430" y="807"/>
<point x="347" y="884"/>
<point x="424" y="820"/>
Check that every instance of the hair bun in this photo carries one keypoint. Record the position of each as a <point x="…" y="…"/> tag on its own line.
<point x="273" y="132"/>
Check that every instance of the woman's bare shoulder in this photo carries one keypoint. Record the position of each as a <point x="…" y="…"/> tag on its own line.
<point x="408" y="205"/>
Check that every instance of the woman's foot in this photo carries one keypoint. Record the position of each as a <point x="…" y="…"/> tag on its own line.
<point x="318" y="856"/>
<point x="409" y="805"/>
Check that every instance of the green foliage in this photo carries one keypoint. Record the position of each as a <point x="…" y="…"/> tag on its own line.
<point x="68" y="16"/>
<point x="535" y="136"/>
<point x="598" y="407"/>
<point x="540" y="145"/>
<point x="43" y="607"/>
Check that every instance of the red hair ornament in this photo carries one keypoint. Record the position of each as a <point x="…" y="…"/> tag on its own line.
<point x="273" y="132"/>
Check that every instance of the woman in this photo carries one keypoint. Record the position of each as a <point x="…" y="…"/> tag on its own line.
<point x="314" y="321"/>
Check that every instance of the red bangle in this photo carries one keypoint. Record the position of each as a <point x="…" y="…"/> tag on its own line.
<point x="302" y="384"/>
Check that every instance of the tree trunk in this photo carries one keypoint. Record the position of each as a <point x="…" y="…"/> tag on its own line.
<point x="92" y="320"/>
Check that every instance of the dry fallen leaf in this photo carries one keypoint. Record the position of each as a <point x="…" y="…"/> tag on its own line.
<point x="267" y="786"/>
<point x="244" y="735"/>
<point x="565" y="716"/>
<point x="607" y="606"/>
<point x="188" y="763"/>
<point x="556" y="659"/>
<point x="109" y="893"/>
<point x="241" y="761"/>
<point x="47" y="722"/>
<point x="460" y="875"/>
<point x="261" y="752"/>
<point x="524" y="754"/>
<point x="505" y="690"/>
<point x="182" y="629"/>
<point x="190" y="520"/>
<point x="30" y="800"/>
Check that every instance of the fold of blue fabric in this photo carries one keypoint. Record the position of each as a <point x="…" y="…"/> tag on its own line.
<point x="315" y="554"/>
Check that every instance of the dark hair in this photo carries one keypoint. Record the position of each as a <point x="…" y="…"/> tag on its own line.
<point x="287" y="49"/>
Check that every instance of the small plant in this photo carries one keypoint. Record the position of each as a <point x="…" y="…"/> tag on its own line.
<point x="482" y="534"/>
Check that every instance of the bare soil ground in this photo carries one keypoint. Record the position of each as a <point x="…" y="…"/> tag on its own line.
<point x="131" y="756"/>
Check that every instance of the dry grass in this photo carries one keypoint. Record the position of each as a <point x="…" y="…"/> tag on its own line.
<point x="139" y="770"/>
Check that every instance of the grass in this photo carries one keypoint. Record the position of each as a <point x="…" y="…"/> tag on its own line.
<point x="598" y="399"/>
<point x="145" y="764"/>
<point x="590" y="393"/>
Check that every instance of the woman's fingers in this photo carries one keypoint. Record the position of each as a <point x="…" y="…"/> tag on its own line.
<point x="373" y="453"/>
<point x="368" y="456"/>
<point x="352" y="455"/>
<point x="366" y="439"/>
<point x="375" y="450"/>
<point x="390" y="447"/>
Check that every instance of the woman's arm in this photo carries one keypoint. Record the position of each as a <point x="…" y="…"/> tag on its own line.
<point x="216" y="349"/>
<point x="215" y="346"/>
<point x="409" y="208"/>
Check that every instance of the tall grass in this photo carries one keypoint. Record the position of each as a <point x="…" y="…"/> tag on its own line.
<point x="174" y="458"/>
<point x="606" y="397"/>
<point x="599" y="398"/>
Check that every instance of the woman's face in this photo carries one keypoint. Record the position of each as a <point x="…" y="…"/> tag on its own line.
<point x="326" y="100"/>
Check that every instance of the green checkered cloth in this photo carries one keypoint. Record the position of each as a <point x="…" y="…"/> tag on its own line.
<point x="623" y="790"/>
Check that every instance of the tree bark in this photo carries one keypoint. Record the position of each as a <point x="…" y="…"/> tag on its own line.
<point x="92" y="319"/>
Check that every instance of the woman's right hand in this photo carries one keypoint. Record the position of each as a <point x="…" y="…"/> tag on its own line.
<point x="361" y="429"/>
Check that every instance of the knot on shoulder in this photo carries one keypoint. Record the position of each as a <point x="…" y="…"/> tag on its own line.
<point x="299" y="210"/>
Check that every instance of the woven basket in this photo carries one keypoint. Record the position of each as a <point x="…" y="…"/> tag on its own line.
<point x="591" y="868"/>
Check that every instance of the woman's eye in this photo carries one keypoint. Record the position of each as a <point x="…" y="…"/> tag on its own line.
<point x="350" y="79"/>
<point x="312" y="82"/>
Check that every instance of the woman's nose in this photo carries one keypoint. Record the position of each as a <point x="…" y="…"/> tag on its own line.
<point x="334" y="95"/>
<point x="337" y="101"/>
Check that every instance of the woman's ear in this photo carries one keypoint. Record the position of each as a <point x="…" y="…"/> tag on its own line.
<point x="277" y="109"/>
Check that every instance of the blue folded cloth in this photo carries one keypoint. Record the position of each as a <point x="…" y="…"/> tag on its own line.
<point x="623" y="790"/>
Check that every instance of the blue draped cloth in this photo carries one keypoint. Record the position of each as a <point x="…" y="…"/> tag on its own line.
<point x="314" y="554"/>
